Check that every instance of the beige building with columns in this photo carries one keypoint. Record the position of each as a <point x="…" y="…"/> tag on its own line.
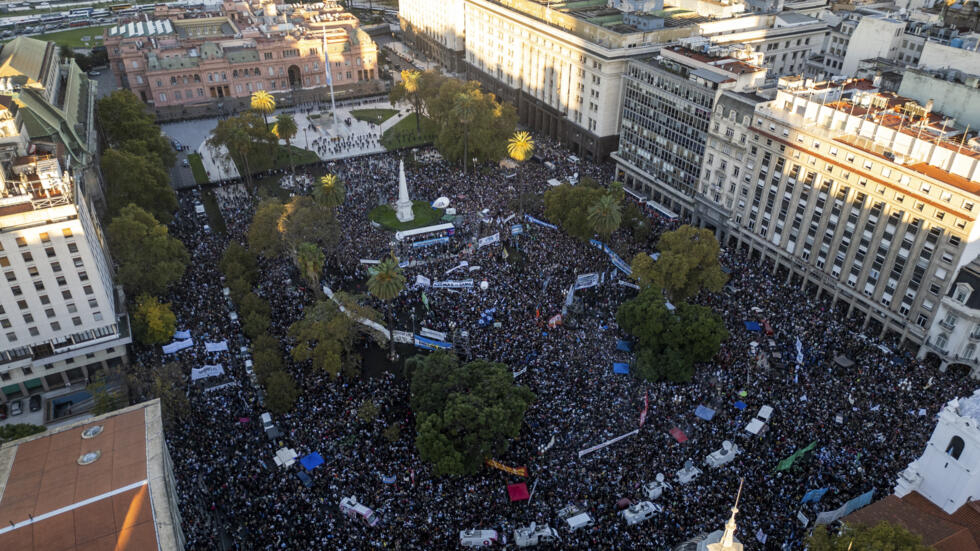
<point x="866" y="197"/>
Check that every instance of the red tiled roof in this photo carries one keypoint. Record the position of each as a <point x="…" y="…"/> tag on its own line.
<point x="939" y="530"/>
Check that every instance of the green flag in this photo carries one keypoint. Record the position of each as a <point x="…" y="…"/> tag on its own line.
<point x="788" y="462"/>
<point x="425" y="301"/>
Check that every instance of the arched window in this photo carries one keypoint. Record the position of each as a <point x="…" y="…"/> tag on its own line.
<point x="955" y="447"/>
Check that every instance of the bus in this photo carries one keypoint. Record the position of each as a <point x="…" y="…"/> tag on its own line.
<point x="120" y="7"/>
<point x="100" y="13"/>
<point x="438" y="230"/>
<point x="79" y="12"/>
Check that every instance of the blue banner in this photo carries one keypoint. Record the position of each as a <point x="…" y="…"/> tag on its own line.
<point x="814" y="496"/>
<point x="516" y="229"/>
<point x="615" y="258"/>
<point x="540" y="222"/>
<point x="431" y="344"/>
<point x="427" y="242"/>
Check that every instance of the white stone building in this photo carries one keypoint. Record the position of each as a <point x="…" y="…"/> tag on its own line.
<point x="948" y="472"/>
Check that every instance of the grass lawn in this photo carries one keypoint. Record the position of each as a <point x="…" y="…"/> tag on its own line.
<point x="73" y="37"/>
<point x="215" y="220"/>
<point x="377" y="116"/>
<point x="403" y="134"/>
<point x="300" y="156"/>
<point x="425" y="215"/>
<point x="197" y="168"/>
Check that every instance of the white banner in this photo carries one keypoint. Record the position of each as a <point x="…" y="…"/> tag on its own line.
<point x="488" y="240"/>
<point x="607" y="443"/>
<point x="453" y="284"/>
<point x="182" y="335"/>
<point x="474" y="268"/>
<point x="462" y="264"/>
<point x="207" y="371"/>
<point x="177" y="346"/>
<point x="422" y="281"/>
<point x="625" y="283"/>
<point x="584" y="281"/>
<point x="216" y="346"/>
<point x="432" y="334"/>
<point x="508" y="219"/>
<point x="519" y="373"/>
<point x="402" y="336"/>
<point x="369" y="261"/>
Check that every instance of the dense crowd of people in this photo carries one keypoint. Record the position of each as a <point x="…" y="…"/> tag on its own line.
<point x="865" y="418"/>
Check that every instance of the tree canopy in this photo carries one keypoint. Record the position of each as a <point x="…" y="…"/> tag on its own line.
<point x="669" y="343"/>
<point x="153" y="321"/>
<point x="688" y="263"/>
<point x="465" y="414"/>
<point x="134" y="179"/>
<point x="149" y="259"/>
<point x="248" y="143"/>
<point x="126" y="124"/>
<point x="568" y="206"/>
<point x="326" y="337"/>
<point x="280" y="392"/>
<point x="883" y="536"/>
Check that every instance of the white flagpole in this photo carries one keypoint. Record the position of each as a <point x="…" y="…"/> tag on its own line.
<point x="326" y="70"/>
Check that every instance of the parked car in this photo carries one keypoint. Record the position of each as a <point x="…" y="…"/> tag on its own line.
<point x="16" y="408"/>
<point x="94" y="73"/>
<point x="35" y="402"/>
<point x="186" y="163"/>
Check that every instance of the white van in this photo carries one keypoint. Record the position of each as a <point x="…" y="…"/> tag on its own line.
<point x="639" y="512"/>
<point x="575" y="518"/>
<point x="477" y="538"/>
<point x="267" y="423"/>
<point x="532" y="535"/>
<point x="350" y="507"/>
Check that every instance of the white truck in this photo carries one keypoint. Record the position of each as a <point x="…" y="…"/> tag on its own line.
<point x="575" y="518"/>
<point x="350" y="507"/>
<point x="655" y="489"/>
<point x="723" y="456"/>
<point x="529" y="536"/>
<point x="639" y="512"/>
<point x="478" y="538"/>
<point x="688" y="473"/>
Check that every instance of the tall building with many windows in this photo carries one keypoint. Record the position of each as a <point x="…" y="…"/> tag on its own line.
<point x="436" y="29"/>
<point x="249" y="47"/>
<point x="862" y="196"/>
<point x="668" y="101"/>
<point x="61" y="317"/>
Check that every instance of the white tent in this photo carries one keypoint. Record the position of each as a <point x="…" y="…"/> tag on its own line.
<point x="755" y="426"/>
<point x="441" y="203"/>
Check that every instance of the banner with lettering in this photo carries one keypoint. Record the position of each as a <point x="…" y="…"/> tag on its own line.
<point x="519" y="471"/>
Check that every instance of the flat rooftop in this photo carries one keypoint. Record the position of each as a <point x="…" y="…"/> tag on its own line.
<point x="50" y="501"/>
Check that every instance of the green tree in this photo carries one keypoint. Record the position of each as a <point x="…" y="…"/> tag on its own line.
<point x="368" y="411"/>
<point x="131" y="179"/>
<point x="669" y="343"/>
<point x="485" y="137"/>
<point x="124" y="120"/>
<point x="465" y="110"/>
<point x="247" y="143"/>
<point x="16" y="431"/>
<point x="149" y="260"/>
<point x="568" y="206"/>
<point x="465" y="414"/>
<point x="105" y="392"/>
<point x="254" y="304"/>
<point x="326" y="337"/>
<point x="280" y="392"/>
<point x="605" y="216"/>
<point x="386" y="282"/>
<point x="392" y="433"/>
<point x="688" y="263"/>
<point x="255" y="324"/>
<point x="153" y="322"/>
<point x="309" y="260"/>
<point x="263" y="232"/>
<point x="883" y="536"/>
<point x="285" y="129"/>
<point x="263" y="102"/>
<point x="238" y="288"/>
<point x="239" y="262"/>
<point x="305" y="220"/>
<point x="409" y="88"/>
<point x="331" y="192"/>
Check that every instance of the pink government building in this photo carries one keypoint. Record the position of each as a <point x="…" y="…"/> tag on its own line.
<point x="184" y="57"/>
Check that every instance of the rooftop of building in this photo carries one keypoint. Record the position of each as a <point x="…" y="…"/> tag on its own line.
<point x="938" y="529"/>
<point x="93" y="484"/>
<point x="723" y="61"/>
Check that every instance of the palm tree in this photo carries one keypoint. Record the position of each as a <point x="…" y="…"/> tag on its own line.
<point x="411" y="81"/>
<point x="285" y="129"/>
<point x="331" y="191"/>
<point x="309" y="260"/>
<point x="520" y="146"/>
<point x="264" y="103"/>
<point x="386" y="282"/>
<point x="605" y="215"/>
<point x="464" y="109"/>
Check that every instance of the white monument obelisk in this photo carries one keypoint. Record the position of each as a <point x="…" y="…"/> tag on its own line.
<point x="403" y="208"/>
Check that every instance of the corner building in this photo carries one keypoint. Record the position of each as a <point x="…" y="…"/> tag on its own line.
<point x="866" y="197"/>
